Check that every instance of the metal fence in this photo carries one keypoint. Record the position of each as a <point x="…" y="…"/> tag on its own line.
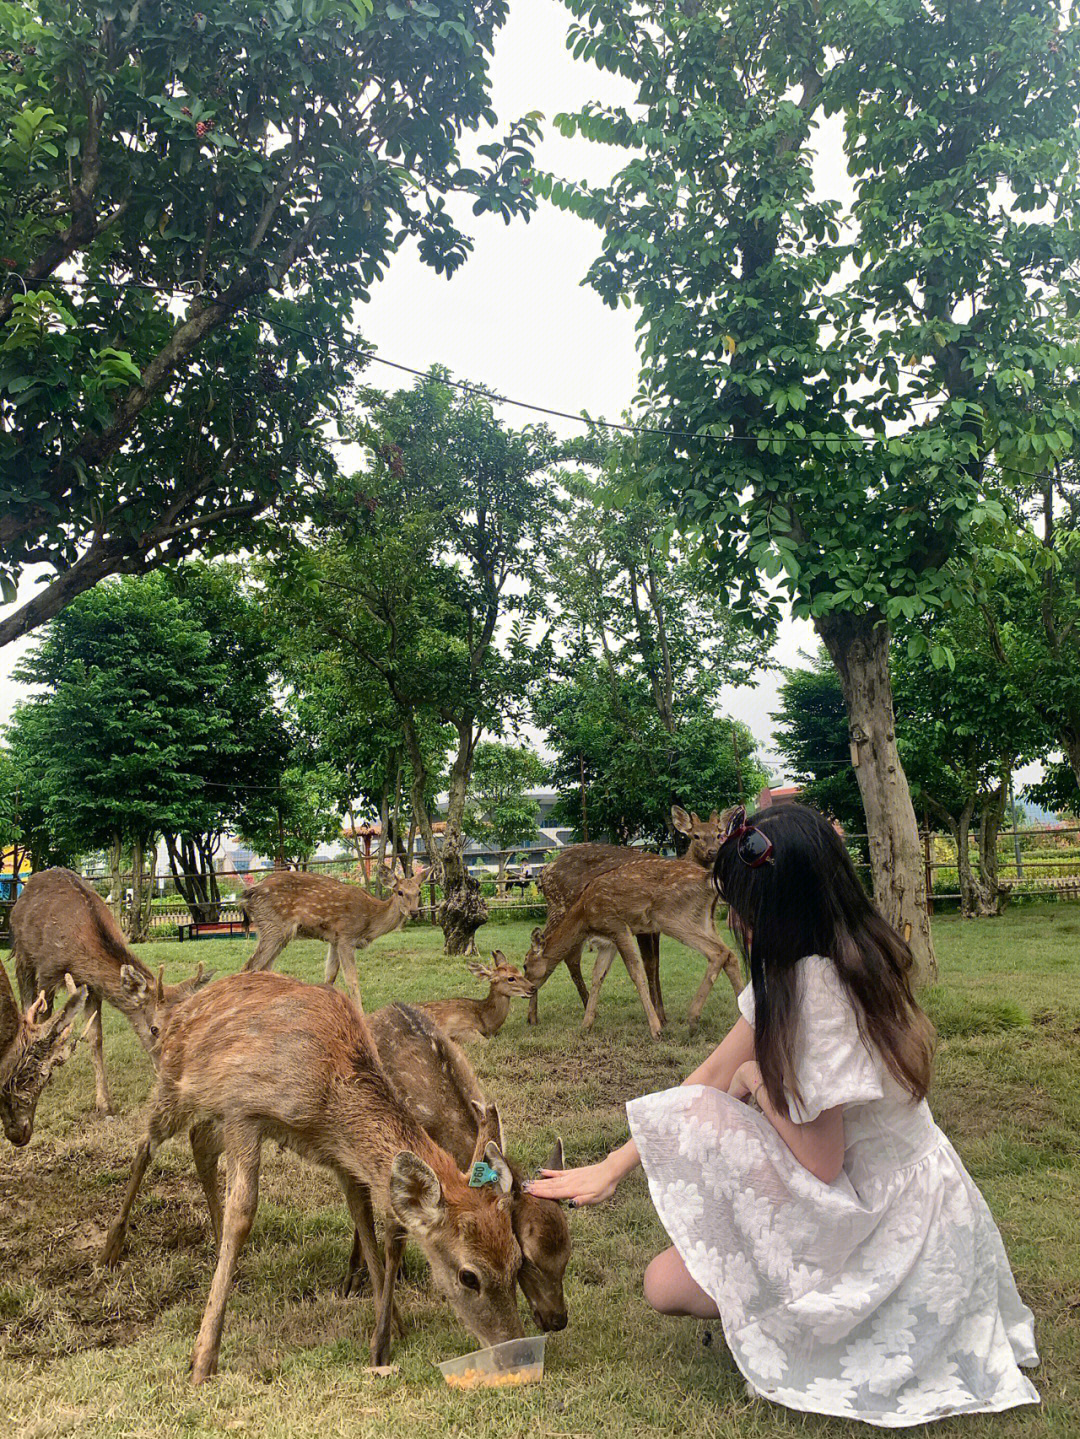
<point x="1041" y="862"/>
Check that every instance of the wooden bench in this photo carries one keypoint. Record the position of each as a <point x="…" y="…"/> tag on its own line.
<point x="212" y="929"/>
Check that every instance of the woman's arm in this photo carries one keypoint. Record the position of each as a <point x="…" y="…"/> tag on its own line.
<point x="818" y="1145"/>
<point x="596" y="1182"/>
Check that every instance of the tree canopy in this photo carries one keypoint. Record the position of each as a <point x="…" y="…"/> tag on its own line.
<point x="194" y="197"/>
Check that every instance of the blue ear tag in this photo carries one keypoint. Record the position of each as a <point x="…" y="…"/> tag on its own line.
<point x="482" y="1174"/>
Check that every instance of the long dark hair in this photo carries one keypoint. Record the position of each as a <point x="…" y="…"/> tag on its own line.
<point x="807" y="899"/>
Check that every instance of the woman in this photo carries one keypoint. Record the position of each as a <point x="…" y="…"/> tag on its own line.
<point x="812" y="1202"/>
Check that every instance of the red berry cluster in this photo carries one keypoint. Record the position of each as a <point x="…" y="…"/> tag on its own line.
<point x="204" y="127"/>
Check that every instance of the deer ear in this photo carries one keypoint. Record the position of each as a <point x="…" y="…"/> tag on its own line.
<point x="480" y="971"/>
<point x="499" y="958"/>
<point x="494" y="1156"/>
<point x="416" y="1195"/>
<point x="680" y="819"/>
<point x="714" y="818"/>
<point x="159" y="993"/>
<point x="386" y="876"/>
<point x="537" y="935"/>
<point x="134" y="983"/>
<point x="558" y="1157"/>
<point x="488" y="1129"/>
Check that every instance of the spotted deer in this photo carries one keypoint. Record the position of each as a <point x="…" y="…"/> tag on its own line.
<point x="439" y="1088"/>
<point x="264" y="1056"/>
<point x="315" y="906"/>
<point x="60" y="924"/>
<point x="563" y="879"/>
<point x="30" y="1049"/>
<point x="651" y="896"/>
<point x="480" y="1018"/>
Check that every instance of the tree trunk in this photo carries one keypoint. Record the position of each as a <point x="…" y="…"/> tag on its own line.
<point x="142" y="891"/>
<point x="969" y="886"/>
<point x="859" y="648"/>
<point x="1071" y="742"/>
<point x="116" y="891"/>
<point x="191" y="862"/>
<point x="463" y="910"/>
<point x="995" y="895"/>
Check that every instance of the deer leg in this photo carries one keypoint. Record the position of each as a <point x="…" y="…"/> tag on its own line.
<point x="365" y="1248"/>
<point x="385" y="1309"/>
<point x="348" y="964"/>
<point x="102" y="1102"/>
<point x="271" y="943"/>
<point x="206" y="1150"/>
<point x="156" y="1133"/>
<point x="605" y="958"/>
<point x="240" y="1206"/>
<point x="631" y="957"/>
<point x="573" y="964"/>
<point x="718" y="957"/>
<point x="330" y="973"/>
<point x="649" y="944"/>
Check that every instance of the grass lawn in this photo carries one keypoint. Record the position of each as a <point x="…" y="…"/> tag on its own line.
<point x="105" y="1354"/>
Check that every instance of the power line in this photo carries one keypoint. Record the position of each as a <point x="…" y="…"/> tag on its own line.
<point x="822" y="439"/>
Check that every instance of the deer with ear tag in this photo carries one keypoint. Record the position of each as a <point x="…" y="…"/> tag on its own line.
<point x="439" y="1088"/>
<point x="268" y="1057"/>
<point x="60" y="925"/>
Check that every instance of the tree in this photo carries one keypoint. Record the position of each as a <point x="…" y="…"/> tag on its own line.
<point x="964" y="727"/>
<point x="618" y="769"/>
<point x="429" y="579"/>
<point x="498" y="810"/>
<point x="193" y="200"/>
<point x="813" y="737"/>
<point x="111" y="751"/>
<point x="237" y="775"/>
<point x="832" y="384"/>
<point x="301" y="811"/>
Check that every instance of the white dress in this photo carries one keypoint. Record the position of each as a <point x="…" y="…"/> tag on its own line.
<point x="885" y="1296"/>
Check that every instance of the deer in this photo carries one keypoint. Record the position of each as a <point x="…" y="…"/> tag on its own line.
<point x="652" y="895"/>
<point x="563" y="879"/>
<point x="440" y="1089"/>
<point x="60" y="924"/>
<point x="480" y="1018"/>
<point x="30" y="1050"/>
<point x="315" y="906"/>
<point x="265" y="1056"/>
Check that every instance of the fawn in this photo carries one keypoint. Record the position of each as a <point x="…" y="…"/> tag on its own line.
<point x="441" y="1091"/>
<point x="30" y="1049"/>
<point x="59" y="924"/>
<point x="653" y="895"/>
<point x="480" y="1018"/>
<point x="315" y="906"/>
<point x="264" y="1056"/>
<point x="563" y="879"/>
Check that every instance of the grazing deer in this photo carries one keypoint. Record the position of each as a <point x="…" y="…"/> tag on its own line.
<point x="440" y="1090"/>
<point x="314" y="906"/>
<point x="30" y="1049"/>
<point x="269" y="1057"/>
<point x="60" y="924"/>
<point x="480" y="1018"/>
<point x="563" y="879"/>
<point x="651" y="896"/>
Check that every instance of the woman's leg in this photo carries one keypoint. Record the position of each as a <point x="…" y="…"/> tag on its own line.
<point x="670" y="1289"/>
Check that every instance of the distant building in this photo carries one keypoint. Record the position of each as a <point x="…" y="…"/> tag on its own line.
<point x="779" y="794"/>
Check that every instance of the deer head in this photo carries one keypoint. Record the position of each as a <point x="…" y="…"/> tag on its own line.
<point x="467" y="1238"/>
<point x="502" y="975"/>
<point x="404" y="889"/>
<point x="149" y="1003"/>
<point x="705" y="835"/>
<point x="40" y="1047"/>
<point x="535" y="969"/>
<point x="543" y="1236"/>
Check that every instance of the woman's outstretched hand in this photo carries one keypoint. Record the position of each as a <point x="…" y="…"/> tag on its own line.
<point x="591" y="1184"/>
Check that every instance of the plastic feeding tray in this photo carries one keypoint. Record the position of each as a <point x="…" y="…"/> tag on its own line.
<point x="518" y="1361"/>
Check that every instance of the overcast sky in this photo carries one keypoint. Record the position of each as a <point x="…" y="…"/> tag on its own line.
<point x="516" y="318"/>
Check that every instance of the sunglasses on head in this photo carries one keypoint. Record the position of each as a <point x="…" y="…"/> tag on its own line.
<point x="752" y="845"/>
